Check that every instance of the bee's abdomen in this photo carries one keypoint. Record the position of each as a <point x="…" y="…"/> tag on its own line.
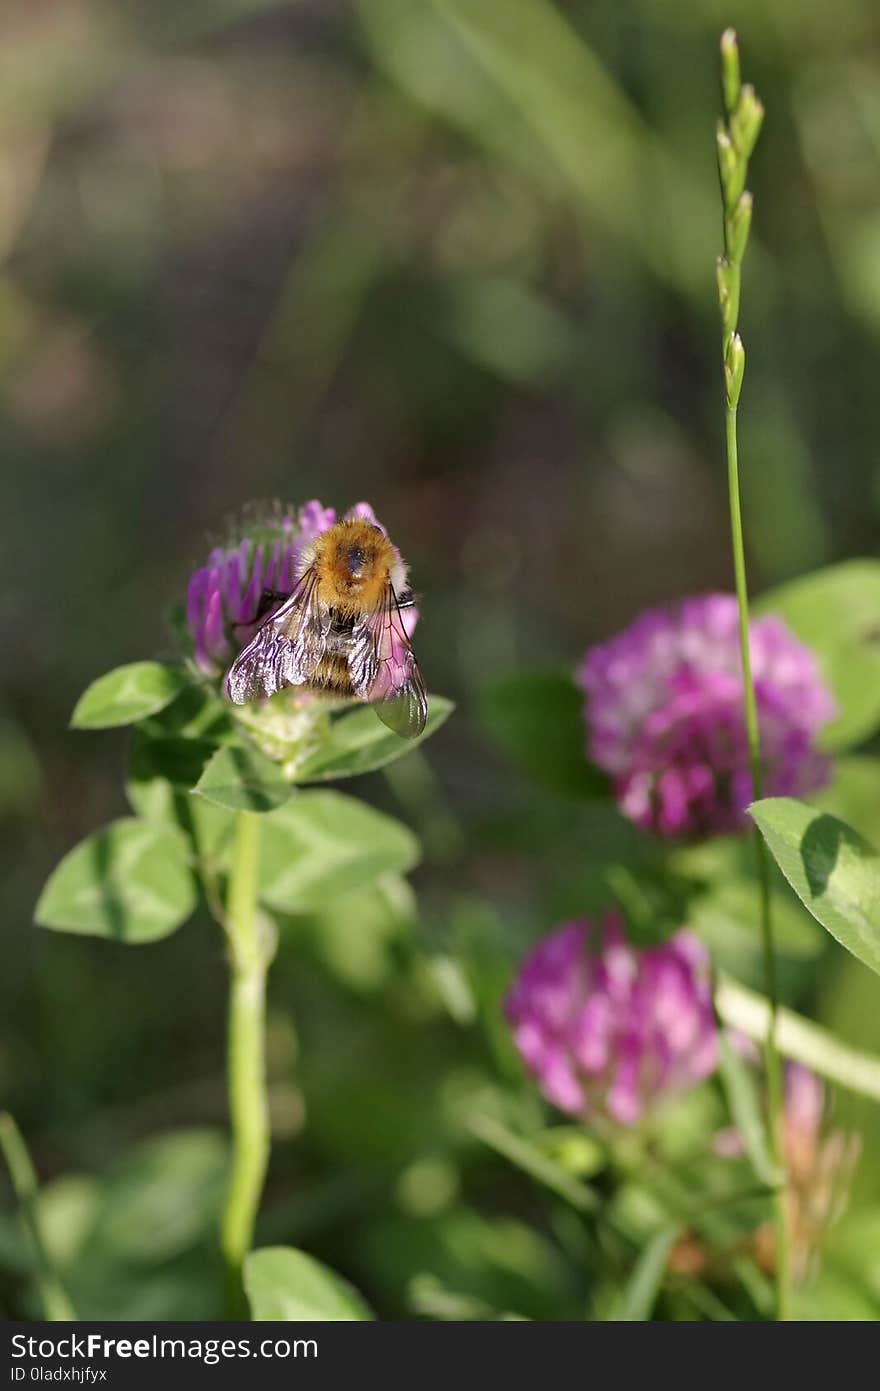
<point x="332" y="674"/>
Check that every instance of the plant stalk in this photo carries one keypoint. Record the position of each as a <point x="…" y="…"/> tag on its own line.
<point x="56" y="1305"/>
<point x="772" y="1060"/>
<point x="249" y="956"/>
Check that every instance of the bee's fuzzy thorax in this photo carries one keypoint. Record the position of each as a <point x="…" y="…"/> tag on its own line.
<point x="355" y="561"/>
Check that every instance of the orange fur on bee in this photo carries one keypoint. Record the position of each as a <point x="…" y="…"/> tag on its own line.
<point x="355" y="563"/>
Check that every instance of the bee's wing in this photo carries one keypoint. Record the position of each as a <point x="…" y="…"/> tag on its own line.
<point x="287" y="648"/>
<point x="383" y="669"/>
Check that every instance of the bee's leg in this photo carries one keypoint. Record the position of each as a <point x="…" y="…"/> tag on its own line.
<point x="268" y="599"/>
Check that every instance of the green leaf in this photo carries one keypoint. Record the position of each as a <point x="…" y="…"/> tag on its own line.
<point x="832" y="869"/>
<point x="130" y="882"/>
<point x="798" y="1038"/>
<point x="358" y="742"/>
<point x="836" y="611"/>
<point x="161" y="773"/>
<point x="128" y="694"/>
<point x="321" y="845"/>
<point x="536" y="719"/>
<point x="638" y="1297"/>
<point x="286" y="1285"/>
<point x="240" y="778"/>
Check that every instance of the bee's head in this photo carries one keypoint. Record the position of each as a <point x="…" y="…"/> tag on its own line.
<point x="355" y="561"/>
<point x="355" y="557"/>
<point x="359" y="552"/>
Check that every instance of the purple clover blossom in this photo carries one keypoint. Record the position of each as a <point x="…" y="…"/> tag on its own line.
<point x="223" y="596"/>
<point x="612" y="1032"/>
<point x="664" y="716"/>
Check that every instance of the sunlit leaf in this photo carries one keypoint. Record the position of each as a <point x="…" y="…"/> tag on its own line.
<point x="832" y="869"/>
<point x="799" y="1038"/>
<point x="130" y="882"/>
<point x="128" y="694"/>
<point x="322" y="845"/>
<point x="286" y="1285"/>
<point x="358" y="742"/>
<point x="836" y="611"/>
<point x="240" y="778"/>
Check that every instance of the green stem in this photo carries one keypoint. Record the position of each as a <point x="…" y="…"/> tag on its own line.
<point x="772" y="1061"/>
<point x="56" y="1305"/>
<point x="248" y="1105"/>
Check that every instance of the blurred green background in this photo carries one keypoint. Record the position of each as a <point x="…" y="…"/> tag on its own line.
<point x="455" y="257"/>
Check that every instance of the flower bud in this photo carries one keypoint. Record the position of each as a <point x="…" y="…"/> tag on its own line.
<point x="728" y="293"/>
<point x="745" y="122"/>
<point x="737" y="225"/>
<point x="731" y="168"/>
<point x="734" y="367"/>
<point x="730" y="80"/>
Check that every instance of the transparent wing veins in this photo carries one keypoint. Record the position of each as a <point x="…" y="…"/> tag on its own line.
<point x="286" y="649"/>
<point x="383" y="669"/>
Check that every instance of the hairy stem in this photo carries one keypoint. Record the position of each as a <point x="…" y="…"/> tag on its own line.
<point x="56" y="1305"/>
<point x="772" y="1061"/>
<point x="248" y="1105"/>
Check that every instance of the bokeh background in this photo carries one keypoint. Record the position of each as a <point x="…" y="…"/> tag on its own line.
<point x="454" y="257"/>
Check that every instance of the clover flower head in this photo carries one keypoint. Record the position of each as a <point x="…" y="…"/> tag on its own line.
<point x="263" y="553"/>
<point x="609" y="1030"/>
<point x="664" y="716"/>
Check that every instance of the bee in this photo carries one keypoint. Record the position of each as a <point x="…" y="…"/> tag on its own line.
<point x="341" y="631"/>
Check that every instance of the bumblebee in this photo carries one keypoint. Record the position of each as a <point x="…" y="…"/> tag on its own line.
<point x="342" y="631"/>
